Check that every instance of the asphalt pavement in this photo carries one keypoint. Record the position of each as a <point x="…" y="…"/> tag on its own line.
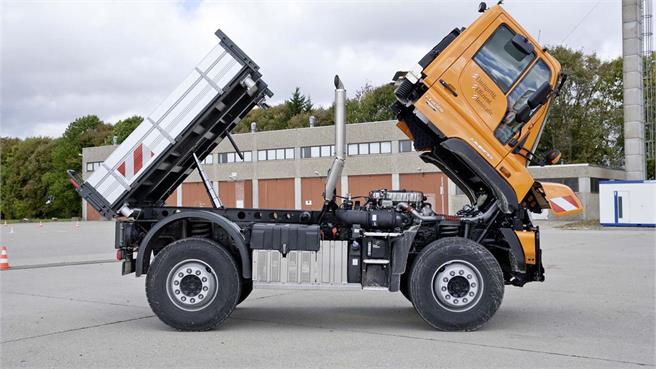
<point x="64" y="304"/>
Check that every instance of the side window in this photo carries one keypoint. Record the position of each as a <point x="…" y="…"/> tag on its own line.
<point x="501" y="59"/>
<point x="518" y="98"/>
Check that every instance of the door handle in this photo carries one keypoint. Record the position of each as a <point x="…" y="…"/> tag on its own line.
<point x="449" y="87"/>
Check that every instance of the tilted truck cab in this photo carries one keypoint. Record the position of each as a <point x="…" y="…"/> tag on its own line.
<point x="475" y="105"/>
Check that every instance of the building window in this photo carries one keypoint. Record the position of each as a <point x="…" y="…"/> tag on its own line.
<point x="232" y="157"/>
<point x="317" y="151"/>
<point x="92" y="166"/>
<point x="369" y="148"/>
<point x="275" y="154"/>
<point x="406" y="146"/>
<point x="209" y="159"/>
<point x="594" y="184"/>
<point x="571" y="182"/>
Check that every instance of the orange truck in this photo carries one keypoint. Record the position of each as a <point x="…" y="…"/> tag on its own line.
<point x="475" y="106"/>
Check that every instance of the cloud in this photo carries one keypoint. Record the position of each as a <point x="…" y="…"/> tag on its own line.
<point x="62" y="60"/>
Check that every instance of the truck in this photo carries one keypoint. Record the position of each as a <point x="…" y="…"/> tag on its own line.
<point x="474" y="106"/>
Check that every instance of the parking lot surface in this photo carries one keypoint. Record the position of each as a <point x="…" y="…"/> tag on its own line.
<point x="64" y="304"/>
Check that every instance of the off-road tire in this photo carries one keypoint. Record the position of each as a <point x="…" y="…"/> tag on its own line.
<point x="246" y="289"/>
<point x="221" y="264"/>
<point x="433" y="260"/>
<point x="404" y="286"/>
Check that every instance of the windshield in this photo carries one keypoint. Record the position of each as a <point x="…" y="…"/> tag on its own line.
<point x="501" y="59"/>
<point x="517" y="99"/>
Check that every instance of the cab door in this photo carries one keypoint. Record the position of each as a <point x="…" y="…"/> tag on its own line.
<point x="477" y="83"/>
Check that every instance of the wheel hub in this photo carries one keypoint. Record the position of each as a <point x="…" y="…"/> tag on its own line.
<point x="457" y="285"/>
<point x="192" y="285"/>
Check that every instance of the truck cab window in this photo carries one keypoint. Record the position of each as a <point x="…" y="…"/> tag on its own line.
<point x="501" y="59"/>
<point x="518" y="97"/>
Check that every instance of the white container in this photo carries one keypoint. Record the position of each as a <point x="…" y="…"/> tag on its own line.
<point x="627" y="203"/>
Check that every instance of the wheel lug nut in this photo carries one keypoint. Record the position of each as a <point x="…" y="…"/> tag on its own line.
<point x="201" y="296"/>
<point x="192" y="300"/>
<point x="443" y="288"/>
<point x="461" y="272"/>
<point x="471" y="294"/>
<point x="455" y="301"/>
<point x="176" y="283"/>
<point x="204" y="288"/>
<point x="469" y="276"/>
<point x="198" y="272"/>
<point x="183" y="298"/>
<point x="447" y="297"/>
<point x="180" y="275"/>
<point x="204" y="279"/>
<point x="445" y="279"/>
<point x="189" y="271"/>
<point x="464" y="300"/>
<point x="177" y="292"/>
<point x="452" y="273"/>
<point x="473" y="284"/>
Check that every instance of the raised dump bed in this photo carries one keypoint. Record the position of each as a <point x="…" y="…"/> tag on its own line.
<point x="147" y="167"/>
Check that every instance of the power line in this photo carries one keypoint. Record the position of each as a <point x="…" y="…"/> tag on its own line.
<point x="581" y="21"/>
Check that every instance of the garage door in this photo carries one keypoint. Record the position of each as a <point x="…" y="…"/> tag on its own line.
<point x="276" y="193"/>
<point x="92" y="214"/>
<point x="361" y="185"/>
<point x="433" y="185"/>
<point x="312" y="192"/>
<point x="236" y="194"/>
<point x="195" y="195"/>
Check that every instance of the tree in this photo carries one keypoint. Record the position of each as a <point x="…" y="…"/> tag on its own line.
<point x="298" y="103"/>
<point x="25" y="164"/>
<point x="122" y="129"/>
<point x="586" y="119"/>
<point x="87" y="131"/>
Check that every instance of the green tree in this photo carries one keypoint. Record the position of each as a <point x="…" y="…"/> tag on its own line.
<point x="298" y="103"/>
<point x="586" y="119"/>
<point x="371" y="104"/>
<point x="122" y="129"/>
<point x="25" y="164"/>
<point x="87" y="131"/>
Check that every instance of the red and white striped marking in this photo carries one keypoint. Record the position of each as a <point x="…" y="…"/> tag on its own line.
<point x="563" y="204"/>
<point x="132" y="166"/>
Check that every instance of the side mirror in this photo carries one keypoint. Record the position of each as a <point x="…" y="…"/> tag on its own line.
<point x="523" y="115"/>
<point x="552" y="157"/>
<point x="523" y="44"/>
<point x="540" y="96"/>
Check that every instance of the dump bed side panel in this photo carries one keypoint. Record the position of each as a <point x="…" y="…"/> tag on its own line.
<point x="147" y="167"/>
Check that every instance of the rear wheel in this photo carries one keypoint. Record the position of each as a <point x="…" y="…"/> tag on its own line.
<point x="246" y="289"/>
<point x="404" y="288"/>
<point x="193" y="284"/>
<point x="456" y="284"/>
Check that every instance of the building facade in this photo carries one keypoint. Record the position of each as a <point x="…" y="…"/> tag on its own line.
<point x="287" y="169"/>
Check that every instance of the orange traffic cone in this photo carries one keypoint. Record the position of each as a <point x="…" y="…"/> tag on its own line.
<point x="4" y="258"/>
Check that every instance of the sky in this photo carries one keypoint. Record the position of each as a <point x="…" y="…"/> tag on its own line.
<point x="60" y="60"/>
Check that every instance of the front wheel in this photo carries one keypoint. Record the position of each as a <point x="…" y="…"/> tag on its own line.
<point x="456" y="284"/>
<point x="193" y="284"/>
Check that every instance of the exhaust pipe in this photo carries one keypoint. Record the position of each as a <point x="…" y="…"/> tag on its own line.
<point x="335" y="172"/>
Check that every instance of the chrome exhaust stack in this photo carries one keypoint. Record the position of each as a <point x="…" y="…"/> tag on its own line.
<point x="335" y="172"/>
